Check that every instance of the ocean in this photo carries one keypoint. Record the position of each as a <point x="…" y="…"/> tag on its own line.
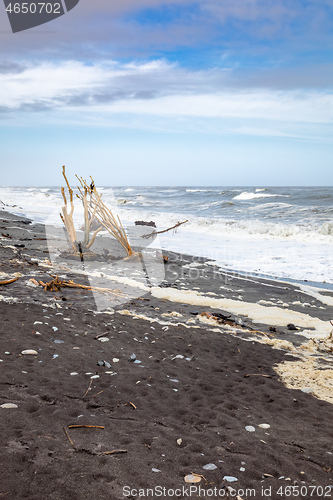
<point x="279" y="232"/>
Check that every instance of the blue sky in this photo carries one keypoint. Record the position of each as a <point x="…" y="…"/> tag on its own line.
<point x="153" y="92"/>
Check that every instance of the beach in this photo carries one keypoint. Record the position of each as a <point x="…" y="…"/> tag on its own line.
<point x="206" y="373"/>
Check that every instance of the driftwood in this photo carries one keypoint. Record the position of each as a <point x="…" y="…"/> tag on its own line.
<point x="104" y="214"/>
<point x="150" y="235"/>
<point x="86" y="426"/>
<point x="78" y="248"/>
<point x="56" y="284"/>
<point x="90" y="452"/>
<point x="7" y="282"/>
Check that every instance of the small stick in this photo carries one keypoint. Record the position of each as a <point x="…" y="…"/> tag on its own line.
<point x="88" y="388"/>
<point x="86" y="426"/>
<point x="100" y="392"/>
<point x="199" y="475"/>
<point x="132" y="404"/>
<point x="68" y="437"/>
<point x="164" y="231"/>
<point x="113" y="452"/>
<point x="6" y="282"/>
<point x="257" y="375"/>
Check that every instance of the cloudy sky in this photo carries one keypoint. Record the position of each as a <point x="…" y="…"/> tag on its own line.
<point x="162" y="92"/>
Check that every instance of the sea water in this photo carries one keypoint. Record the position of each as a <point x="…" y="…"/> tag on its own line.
<point x="283" y="232"/>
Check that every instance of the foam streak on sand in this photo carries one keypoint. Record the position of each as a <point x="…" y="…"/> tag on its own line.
<point x="256" y="312"/>
<point x="298" y="374"/>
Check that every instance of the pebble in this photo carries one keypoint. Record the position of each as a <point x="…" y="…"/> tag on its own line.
<point x="250" y="428"/>
<point x="137" y="361"/>
<point x="264" y="426"/>
<point x="74" y="373"/>
<point x="179" y="441"/>
<point x="155" y="470"/>
<point x="210" y="467"/>
<point x="115" y="360"/>
<point x="95" y="376"/>
<point x="29" y="351"/>
<point x="54" y="328"/>
<point x="242" y="469"/>
<point x="307" y="390"/>
<point x="179" y="356"/>
<point x="103" y="339"/>
<point x="55" y="356"/>
<point x="231" y="479"/>
<point x="132" y="357"/>
<point x="59" y="341"/>
<point x="8" y="405"/>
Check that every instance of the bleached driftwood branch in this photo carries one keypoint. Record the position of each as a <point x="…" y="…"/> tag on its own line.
<point x="104" y="214"/>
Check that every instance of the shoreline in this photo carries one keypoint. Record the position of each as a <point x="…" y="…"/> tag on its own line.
<point x="204" y="375"/>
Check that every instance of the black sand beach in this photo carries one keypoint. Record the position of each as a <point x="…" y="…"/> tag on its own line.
<point x="202" y="382"/>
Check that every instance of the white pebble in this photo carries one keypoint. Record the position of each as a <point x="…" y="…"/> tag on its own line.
<point x="155" y="470"/>
<point x="54" y="328"/>
<point x="74" y="373"/>
<point x="264" y="426"/>
<point x="231" y="479"/>
<point x="103" y="339"/>
<point x="250" y="428"/>
<point x="9" y="405"/>
<point x="210" y="467"/>
<point x="95" y="376"/>
<point x="29" y="351"/>
<point x="115" y="360"/>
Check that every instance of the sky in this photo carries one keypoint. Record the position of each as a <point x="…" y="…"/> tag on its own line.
<point x="161" y="92"/>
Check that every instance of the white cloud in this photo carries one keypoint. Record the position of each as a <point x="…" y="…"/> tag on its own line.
<point x="157" y="88"/>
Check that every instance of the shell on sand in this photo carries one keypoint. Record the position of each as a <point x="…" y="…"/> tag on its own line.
<point x="9" y="405"/>
<point x="192" y="478"/>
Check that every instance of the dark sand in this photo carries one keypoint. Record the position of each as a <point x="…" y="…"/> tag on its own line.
<point x="222" y="384"/>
